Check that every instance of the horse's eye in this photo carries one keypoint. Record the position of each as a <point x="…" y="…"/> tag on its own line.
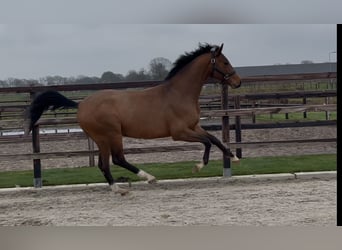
<point x="226" y="63"/>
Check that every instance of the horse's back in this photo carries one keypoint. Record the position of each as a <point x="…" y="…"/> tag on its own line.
<point x="139" y="114"/>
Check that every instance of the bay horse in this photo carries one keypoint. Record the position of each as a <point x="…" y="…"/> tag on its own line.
<point x="170" y="109"/>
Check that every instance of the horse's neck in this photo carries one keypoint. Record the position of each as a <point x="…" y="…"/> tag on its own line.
<point x="189" y="82"/>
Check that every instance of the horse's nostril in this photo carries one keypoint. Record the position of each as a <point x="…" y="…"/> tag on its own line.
<point x="238" y="86"/>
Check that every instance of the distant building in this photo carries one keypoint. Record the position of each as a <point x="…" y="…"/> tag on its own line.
<point x="286" y="69"/>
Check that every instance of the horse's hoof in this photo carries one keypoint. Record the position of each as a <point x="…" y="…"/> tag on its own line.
<point x="150" y="178"/>
<point x="235" y="159"/>
<point x="197" y="167"/>
<point x="122" y="191"/>
<point x="118" y="190"/>
<point x="152" y="181"/>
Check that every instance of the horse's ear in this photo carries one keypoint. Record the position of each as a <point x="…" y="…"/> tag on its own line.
<point x="219" y="50"/>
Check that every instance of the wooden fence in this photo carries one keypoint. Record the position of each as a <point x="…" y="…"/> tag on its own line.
<point x="222" y="106"/>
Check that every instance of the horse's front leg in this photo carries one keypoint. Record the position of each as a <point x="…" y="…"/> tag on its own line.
<point x="196" y="135"/>
<point x="227" y="153"/>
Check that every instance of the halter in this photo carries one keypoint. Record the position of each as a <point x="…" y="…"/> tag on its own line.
<point x="213" y="62"/>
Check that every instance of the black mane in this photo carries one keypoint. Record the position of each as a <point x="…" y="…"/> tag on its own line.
<point x="187" y="58"/>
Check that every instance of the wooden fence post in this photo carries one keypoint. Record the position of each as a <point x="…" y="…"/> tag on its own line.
<point x="327" y="113"/>
<point x="91" y="155"/>
<point x="237" y="126"/>
<point x="37" y="173"/>
<point x="253" y="116"/>
<point x="225" y="130"/>
<point x="304" y="113"/>
<point x="0" y="119"/>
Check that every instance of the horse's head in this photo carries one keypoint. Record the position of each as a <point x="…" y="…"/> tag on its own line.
<point x="222" y="69"/>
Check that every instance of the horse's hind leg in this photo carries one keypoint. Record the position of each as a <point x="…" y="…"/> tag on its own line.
<point x="121" y="161"/>
<point x="118" y="158"/>
<point x="104" y="167"/>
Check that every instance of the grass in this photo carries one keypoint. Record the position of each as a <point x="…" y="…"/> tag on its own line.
<point x="276" y="86"/>
<point x="260" y="165"/>
<point x="298" y="116"/>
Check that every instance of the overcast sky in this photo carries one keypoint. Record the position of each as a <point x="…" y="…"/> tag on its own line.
<point x="171" y="11"/>
<point x="36" y="50"/>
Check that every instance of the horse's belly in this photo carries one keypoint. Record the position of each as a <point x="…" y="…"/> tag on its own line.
<point x="145" y="129"/>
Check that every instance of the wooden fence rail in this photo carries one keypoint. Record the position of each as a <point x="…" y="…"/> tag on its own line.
<point x="269" y="110"/>
<point x="13" y="113"/>
<point x="49" y="155"/>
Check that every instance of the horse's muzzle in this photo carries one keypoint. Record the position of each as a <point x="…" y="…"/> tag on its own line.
<point x="236" y="86"/>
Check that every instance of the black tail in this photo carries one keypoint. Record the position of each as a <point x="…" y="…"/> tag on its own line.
<point x="48" y="99"/>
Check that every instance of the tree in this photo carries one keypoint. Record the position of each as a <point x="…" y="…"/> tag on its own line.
<point x="32" y="82"/>
<point x="159" y="68"/>
<point x="53" y="80"/>
<point x="15" y="82"/>
<point x="3" y="84"/>
<point x="140" y="75"/>
<point x="87" y="80"/>
<point x="109" y="76"/>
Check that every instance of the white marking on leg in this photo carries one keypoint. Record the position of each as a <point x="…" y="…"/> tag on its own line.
<point x="235" y="159"/>
<point x="198" y="167"/>
<point x="146" y="176"/>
